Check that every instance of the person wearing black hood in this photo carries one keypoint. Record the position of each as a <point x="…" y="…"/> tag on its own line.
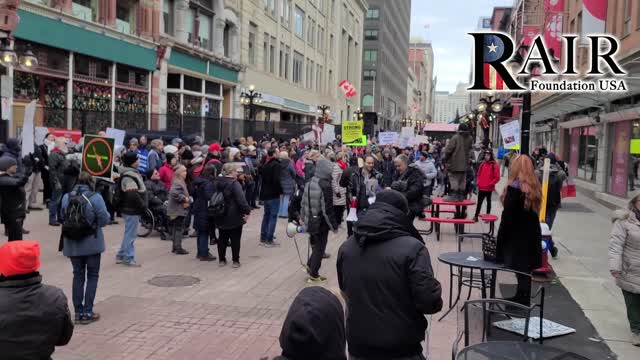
<point x="385" y="272"/>
<point x="12" y="197"/>
<point x="314" y="327"/>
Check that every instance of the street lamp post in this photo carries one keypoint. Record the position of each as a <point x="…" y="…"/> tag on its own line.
<point x="358" y="115"/>
<point x="251" y="98"/>
<point x="324" y="111"/>
<point x="487" y="109"/>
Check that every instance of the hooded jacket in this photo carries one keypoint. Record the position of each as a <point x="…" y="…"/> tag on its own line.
<point x="413" y="191"/>
<point x="318" y="195"/>
<point x="624" y="250"/>
<point x="385" y="271"/>
<point x="488" y="176"/>
<point x="314" y="327"/>
<point x="339" y="192"/>
<point x="457" y="152"/>
<point x="12" y="196"/>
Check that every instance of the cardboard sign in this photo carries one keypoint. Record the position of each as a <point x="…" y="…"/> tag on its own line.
<point x="328" y="134"/>
<point x="421" y="139"/>
<point x="510" y="134"/>
<point x="351" y="131"/>
<point x="117" y="134"/>
<point x="28" y="142"/>
<point x="388" y="138"/>
<point x="406" y="136"/>
<point x="361" y="142"/>
<point x="97" y="156"/>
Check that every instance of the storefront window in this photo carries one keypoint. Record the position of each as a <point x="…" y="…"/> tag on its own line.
<point x="588" y="154"/>
<point x="626" y="158"/>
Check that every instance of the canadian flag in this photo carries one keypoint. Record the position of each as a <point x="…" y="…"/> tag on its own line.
<point x="347" y="87"/>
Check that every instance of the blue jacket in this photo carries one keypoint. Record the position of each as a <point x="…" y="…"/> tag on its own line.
<point x="97" y="214"/>
<point x="203" y="191"/>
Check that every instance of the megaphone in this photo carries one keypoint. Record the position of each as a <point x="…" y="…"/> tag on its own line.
<point x="293" y="229"/>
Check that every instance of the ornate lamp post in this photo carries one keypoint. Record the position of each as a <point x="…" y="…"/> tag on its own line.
<point x="251" y="98"/>
<point x="358" y="115"/>
<point x="324" y="111"/>
<point x="486" y="113"/>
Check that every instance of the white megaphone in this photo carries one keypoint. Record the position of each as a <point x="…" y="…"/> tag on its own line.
<point x="352" y="216"/>
<point x="293" y="229"/>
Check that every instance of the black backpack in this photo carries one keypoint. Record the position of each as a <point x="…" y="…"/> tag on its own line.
<point x="76" y="225"/>
<point x="216" y="206"/>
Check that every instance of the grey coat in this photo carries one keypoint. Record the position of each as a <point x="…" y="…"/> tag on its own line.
<point x="624" y="250"/>
<point x="317" y="199"/>
<point x="177" y="196"/>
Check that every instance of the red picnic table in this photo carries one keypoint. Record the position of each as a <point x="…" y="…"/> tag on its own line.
<point x="458" y="219"/>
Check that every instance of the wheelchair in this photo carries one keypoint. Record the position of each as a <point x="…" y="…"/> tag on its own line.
<point x="154" y="218"/>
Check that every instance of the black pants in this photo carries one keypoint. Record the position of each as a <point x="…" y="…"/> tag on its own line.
<point x="14" y="229"/>
<point x="482" y="195"/>
<point x="523" y="292"/>
<point x="234" y="236"/>
<point x="46" y="190"/>
<point x="318" y="246"/>
<point x="338" y="210"/>
<point x="250" y="193"/>
<point x="176" y="228"/>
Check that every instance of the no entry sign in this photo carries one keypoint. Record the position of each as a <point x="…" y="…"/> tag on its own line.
<point x="97" y="156"/>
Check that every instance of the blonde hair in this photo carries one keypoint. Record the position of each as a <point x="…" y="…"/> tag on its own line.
<point x="284" y="155"/>
<point x="230" y="167"/>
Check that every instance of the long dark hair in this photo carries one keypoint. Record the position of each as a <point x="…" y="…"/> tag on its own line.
<point x="209" y="172"/>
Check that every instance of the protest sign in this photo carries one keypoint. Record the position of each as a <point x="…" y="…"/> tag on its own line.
<point x="28" y="142"/>
<point x="360" y="142"/>
<point x="351" y="131"/>
<point x="117" y="135"/>
<point x="328" y="133"/>
<point x="510" y="134"/>
<point x="97" y="156"/>
<point x="421" y="139"/>
<point x="388" y="138"/>
<point x="406" y="136"/>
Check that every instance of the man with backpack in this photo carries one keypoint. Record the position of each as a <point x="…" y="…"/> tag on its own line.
<point x="84" y="214"/>
<point x="131" y="199"/>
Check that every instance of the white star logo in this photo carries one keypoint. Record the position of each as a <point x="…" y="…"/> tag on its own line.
<point x="493" y="47"/>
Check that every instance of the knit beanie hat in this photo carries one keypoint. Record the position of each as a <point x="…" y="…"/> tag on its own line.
<point x="393" y="198"/>
<point x="19" y="258"/>
<point x="6" y="162"/>
<point x="129" y="158"/>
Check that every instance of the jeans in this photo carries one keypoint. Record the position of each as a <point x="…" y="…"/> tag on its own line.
<point x="85" y="269"/>
<point x="284" y="206"/>
<point x="318" y="246"/>
<point x="269" y="220"/>
<point x="54" y="206"/>
<point x="633" y="310"/>
<point x="550" y="217"/>
<point x="203" y="243"/>
<point x="127" y="249"/>
<point x="482" y="195"/>
<point x="233" y="236"/>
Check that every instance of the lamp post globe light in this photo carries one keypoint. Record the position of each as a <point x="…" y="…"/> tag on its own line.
<point x="358" y="115"/>
<point x="485" y="114"/>
<point x="9" y="57"/>
<point x="323" y="112"/>
<point x="251" y="98"/>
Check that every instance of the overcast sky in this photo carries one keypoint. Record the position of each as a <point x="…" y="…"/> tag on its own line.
<point x="449" y="22"/>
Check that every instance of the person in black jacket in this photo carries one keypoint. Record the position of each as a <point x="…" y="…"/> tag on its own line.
<point x="387" y="168"/>
<point x="410" y="182"/>
<point x="35" y="317"/>
<point x="385" y="272"/>
<point x="270" y="191"/>
<point x="12" y="197"/>
<point x="314" y="327"/>
<point x="236" y="215"/>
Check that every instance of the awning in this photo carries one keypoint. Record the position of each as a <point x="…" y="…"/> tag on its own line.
<point x="55" y="33"/>
<point x="441" y="127"/>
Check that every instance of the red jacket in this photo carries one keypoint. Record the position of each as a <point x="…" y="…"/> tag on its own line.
<point x="488" y="176"/>
<point x="166" y="175"/>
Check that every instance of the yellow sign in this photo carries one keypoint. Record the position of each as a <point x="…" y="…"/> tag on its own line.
<point x="634" y="148"/>
<point x="360" y="142"/>
<point x="351" y="131"/>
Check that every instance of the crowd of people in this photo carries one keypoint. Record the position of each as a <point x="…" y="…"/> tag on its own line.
<point x="209" y="191"/>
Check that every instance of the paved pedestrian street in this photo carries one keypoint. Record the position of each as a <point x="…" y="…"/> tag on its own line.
<point x="237" y="313"/>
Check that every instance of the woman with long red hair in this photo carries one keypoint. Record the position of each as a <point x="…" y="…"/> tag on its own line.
<point x="519" y="242"/>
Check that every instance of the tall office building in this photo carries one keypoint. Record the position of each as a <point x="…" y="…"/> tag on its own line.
<point x="421" y="62"/>
<point x="385" y="62"/>
<point x="448" y="105"/>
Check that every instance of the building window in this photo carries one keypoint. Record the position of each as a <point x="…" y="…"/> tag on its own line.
<point x="189" y="19"/>
<point x="270" y="7"/>
<point x="373" y="13"/>
<point x="265" y="52"/>
<point x="204" y="31"/>
<point x="298" y="63"/>
<point x="286" y="62"/>
<point x="167" y="16"/>
<point x="85" y="9"/>
<point x="253" y="29"/>
<point x="281" y="60"/>
<point x="299" y="22"/>
<point x="331" y="45"/>
<point x="370" y="55"/>
<point x="311" y="31"/>
<point x="371" y="34"/>
<point x="320" y="39"/>
<point x="367" y="100"/>
<point x="369" y="75"/>
<point x="285" y="13"/>
<point x="333" y="9"/>
<point x="124" y="21"/>
<point x="173" y="81"/>
<point x="272" y="56"/>
<point x="587" y="153"/>
<point x="81" y="65"/>
<point x="627" y="18"/>
<point x="192" y="84"/>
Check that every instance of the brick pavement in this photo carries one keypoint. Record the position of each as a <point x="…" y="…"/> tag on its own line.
<point x="229" y="314"/>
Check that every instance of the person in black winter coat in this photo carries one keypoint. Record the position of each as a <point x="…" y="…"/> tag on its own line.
<point x="410" y="182"/>
<point x="385" y="272"/>
<point x="236" y="215"/>
<point x="204" y="189"/>
<point x="270" y="191"/>
<point x="35" y="317"/>
<point x="314" y="327"/>
<point x="13" y="208"/>
<point x="387" y="168"/>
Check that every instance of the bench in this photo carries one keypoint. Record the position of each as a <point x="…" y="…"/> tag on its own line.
<point x="491" y="220"/>
<point x="458" y="223"/>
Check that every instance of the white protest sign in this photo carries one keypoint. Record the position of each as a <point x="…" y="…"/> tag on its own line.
<point x="40" y="133"/>
<point x="421" y="139"/>
<point x="28" y="142"/>
<point x="406" y="136"/>
<point x="310" y="136"/>
<point x="6" y="109"/>
<point x="387" y="138"/>
<point x="328" y="134"/>
<point x="510" y="134"/>
<point x="117" y="134"/>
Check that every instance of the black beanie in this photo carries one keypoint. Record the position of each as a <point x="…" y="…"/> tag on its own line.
<point x="395" y="199"/>
<point x="129" y="158"/>
<point x="187" y="155"/>
<point x="6" y="162"/>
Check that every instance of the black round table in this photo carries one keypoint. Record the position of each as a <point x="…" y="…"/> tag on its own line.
<point x="516" y="350"/>
<point x="470" y="260"/>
